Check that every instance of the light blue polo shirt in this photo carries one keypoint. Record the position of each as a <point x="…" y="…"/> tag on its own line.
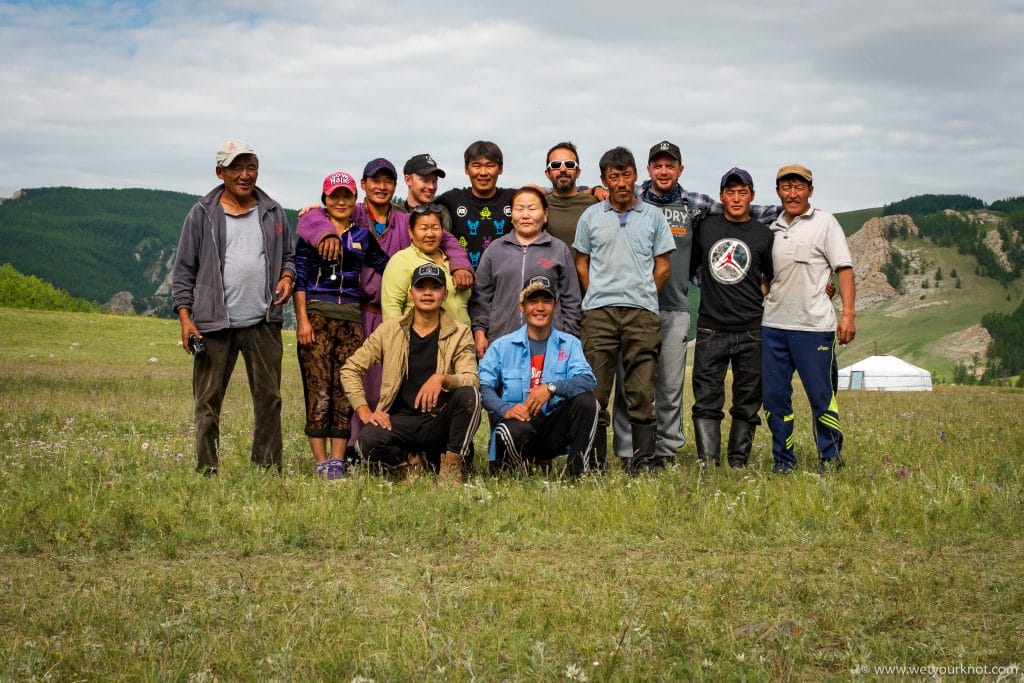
<point x="622" y="247"/>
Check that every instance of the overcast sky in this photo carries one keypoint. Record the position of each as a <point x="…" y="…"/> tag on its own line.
<point x="881" y="99"/>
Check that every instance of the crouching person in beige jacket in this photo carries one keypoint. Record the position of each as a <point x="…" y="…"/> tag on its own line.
<point x="429" y="406"/>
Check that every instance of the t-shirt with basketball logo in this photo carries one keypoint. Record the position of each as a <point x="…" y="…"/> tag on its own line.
<point x="733" y="258"/>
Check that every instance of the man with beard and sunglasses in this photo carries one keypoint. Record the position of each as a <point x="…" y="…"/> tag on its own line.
<point x="566" y="202"/>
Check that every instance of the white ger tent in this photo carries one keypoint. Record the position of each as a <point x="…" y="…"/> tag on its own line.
<point x="885" y="373"/>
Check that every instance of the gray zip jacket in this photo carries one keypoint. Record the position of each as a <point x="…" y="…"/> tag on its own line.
<point x="505" y="268"/>
<point x="197" y="278"/>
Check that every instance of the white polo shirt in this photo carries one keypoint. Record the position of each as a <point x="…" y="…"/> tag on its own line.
<point x="804" y="256"/>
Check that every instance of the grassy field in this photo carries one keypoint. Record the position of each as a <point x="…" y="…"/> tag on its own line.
<point x="118" y="562"/>
<point x="916" y="326"/>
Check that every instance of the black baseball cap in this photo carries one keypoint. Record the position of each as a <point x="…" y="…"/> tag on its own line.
<point x="665" y="147"/>
<point x="428" y="271"/>
<point x="422" y="164"/>
<point x="538" y="284"/>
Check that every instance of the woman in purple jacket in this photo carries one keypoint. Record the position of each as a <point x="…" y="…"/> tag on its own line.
<point x="329" y="321"/>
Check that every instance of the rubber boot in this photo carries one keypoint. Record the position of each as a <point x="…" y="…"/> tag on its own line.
<point x="643" y="448"/>
<point x="741" y="437"/>
<point x="451" y="469"/>
<point x="707" y="434"/>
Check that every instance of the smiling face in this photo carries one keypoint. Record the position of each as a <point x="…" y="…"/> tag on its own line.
<point x="240" y="178"/>
<point x="422" y="188"/>
<point x="340" y="205"/>
<point x="538" y="310"/>
<point x="563" y="180"/>
<point x="528" y="215"/>
<point x="664" y="170"/>
<point x="483" y="176"/>
<point x="620" y="182"/>
<point x="425" y="232"/>
<point x="794" y="194"/>
<point x="379" y="188"/>
<point x="428" y="296"/>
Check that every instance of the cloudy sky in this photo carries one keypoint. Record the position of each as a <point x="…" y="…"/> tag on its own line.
<point x="881" y="99"/>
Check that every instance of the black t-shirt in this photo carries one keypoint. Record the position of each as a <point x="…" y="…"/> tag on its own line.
<point x="478" y="222"/>
<point x="733" y="257"/>
<point x="422" y="364"/>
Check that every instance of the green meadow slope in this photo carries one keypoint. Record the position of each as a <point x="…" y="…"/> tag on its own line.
<point x="921" y="325"/>
<point x="119" y="562"/>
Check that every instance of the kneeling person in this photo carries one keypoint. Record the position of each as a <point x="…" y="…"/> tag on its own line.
<point x="429" y="398"/>
<point x="538" y="383"/>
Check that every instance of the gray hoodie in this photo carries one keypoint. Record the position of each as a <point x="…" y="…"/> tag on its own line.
<point x="197" y="276"/>
<point x="505" y="267"/>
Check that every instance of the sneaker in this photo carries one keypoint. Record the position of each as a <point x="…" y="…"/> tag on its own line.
<point x="321" y="469"/>
<point x="336" y="469"/>
<point x="210" y="472"/>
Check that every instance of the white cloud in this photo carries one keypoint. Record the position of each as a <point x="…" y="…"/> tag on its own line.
<point x="881" y="99"/>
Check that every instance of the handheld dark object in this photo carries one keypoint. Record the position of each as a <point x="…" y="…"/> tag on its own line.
<point x="196" y="345"/>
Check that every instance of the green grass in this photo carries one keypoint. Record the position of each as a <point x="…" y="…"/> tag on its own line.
<point x="117" y="561"/>
<point x="852" y="221"/>
<point x="915" y="326"/>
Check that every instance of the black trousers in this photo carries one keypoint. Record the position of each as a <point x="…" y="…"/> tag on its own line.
<point x="451" y="429"/>
<point x="713" y="353"/>
<point x="573" y="423"/>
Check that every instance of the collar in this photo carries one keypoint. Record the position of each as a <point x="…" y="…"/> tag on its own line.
<point x="781" y="220"/>
<point x="638" y="205"/>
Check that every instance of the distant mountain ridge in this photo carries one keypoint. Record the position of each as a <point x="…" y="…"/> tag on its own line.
<point x="94" y="243"/>
<point x="97" y="243"/>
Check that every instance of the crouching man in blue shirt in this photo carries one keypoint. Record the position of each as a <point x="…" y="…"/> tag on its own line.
<point x="538" y="387"/>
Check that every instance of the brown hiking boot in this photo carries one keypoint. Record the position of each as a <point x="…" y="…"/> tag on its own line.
<point x="413" y="468"/>
<point x="451" y="470"/>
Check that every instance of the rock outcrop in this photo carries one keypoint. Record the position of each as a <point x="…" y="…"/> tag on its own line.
<point x="121" y="304"/>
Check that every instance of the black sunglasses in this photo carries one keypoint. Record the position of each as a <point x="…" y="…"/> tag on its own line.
<point x="426" y="208"/>
<point x="555" y="165"/>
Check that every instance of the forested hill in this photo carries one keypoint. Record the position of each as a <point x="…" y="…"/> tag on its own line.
<point x="96" y="243"/>
<point x="93" y="243"/>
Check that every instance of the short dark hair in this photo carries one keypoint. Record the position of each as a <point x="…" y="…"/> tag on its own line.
<point x="564" y="145"/>
<point x="530" y="189"/>
<point x="484" y="149"/>
<point x="416" y="216"/>
<point x="617" y="157"/>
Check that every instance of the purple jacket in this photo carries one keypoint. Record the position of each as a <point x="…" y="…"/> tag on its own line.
<point x="313" y="275"/>
<point x="394" y="239"/>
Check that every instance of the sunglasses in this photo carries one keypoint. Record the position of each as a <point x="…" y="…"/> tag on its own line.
<point x="426" y="208"/>
<point x="569" y="165"/>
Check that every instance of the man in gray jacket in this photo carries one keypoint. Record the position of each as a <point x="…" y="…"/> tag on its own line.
<point x="232" y="272"/>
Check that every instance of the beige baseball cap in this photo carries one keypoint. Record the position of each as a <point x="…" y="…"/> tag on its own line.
<point x="227" y="152"/>
<point x="795" y="169"/>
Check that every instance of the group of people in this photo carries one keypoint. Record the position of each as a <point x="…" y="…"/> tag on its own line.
<point x="533" y="305"/>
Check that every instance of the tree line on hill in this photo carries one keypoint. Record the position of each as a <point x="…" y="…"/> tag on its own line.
<point x="18" y="290"/>
<point x="1005" y="353"/>
<point x="95" y="243"/>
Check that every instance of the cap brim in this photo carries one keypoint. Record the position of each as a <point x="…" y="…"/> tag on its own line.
<point x="421" y="280"/>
